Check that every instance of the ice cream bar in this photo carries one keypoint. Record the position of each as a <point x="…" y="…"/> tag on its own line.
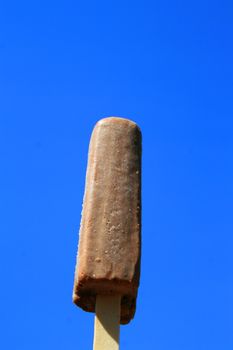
<point x="108" y="260"/>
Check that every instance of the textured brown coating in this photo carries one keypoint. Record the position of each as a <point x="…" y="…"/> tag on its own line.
<point x="108" y="260"/>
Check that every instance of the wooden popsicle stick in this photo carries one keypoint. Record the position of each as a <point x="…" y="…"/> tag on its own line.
<point x="107" y="322"/>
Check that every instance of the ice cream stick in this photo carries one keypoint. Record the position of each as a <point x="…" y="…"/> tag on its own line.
<point x="107" y="322"/>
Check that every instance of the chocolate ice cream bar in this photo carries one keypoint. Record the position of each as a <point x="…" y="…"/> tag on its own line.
<point x="108" y="260"/>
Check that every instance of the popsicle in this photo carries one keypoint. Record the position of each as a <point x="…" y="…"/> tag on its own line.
<point x="108" y="259"/>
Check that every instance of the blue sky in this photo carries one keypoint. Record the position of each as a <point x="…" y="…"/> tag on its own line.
<point x="166" y="65"/>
